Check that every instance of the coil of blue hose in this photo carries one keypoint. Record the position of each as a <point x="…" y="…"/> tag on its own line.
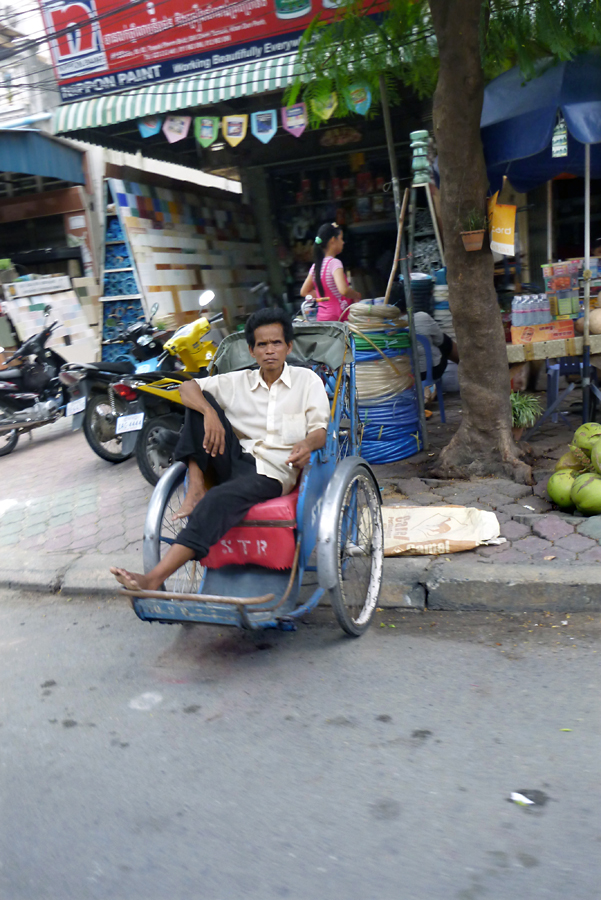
<point x="369" y="355"/>
<point x="391" y="429"/>
<point x="381" y="452"/>
<point x="381" y="409"/>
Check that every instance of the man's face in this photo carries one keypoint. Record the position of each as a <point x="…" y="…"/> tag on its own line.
<point x="270" y="348"/>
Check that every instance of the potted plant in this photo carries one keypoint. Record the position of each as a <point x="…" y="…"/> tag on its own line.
<point x="525" y="410"/>
<point x="474" y="228"/>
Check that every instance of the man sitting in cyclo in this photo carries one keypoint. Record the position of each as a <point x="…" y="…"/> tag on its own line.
<point x="254" y="429"/>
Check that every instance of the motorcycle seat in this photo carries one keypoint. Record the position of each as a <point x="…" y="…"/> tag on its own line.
<point x="10" y="374"/>
<point x="116" y="368"/>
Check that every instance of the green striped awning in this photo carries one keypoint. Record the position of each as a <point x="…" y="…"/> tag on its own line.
<point x="241" y="80"/>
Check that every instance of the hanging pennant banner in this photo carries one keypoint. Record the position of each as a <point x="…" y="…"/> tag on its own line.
<point x="264" y="125"/>
<point x="150" y="127"/>
<point x="206" y="129"/>
<point x="176" y="128"/>
<point x="295" y="118"/>
<point x="325" y="108"/>
<point x="234" y="129"/>
<point x="359" y="98"/>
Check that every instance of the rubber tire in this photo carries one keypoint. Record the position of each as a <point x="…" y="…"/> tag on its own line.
<point x="142" y="445"/>
<point x="350" y="625"/>
<point x="8" y="446"/>
<point x="187" y="578"/>
<point x="96" y="445"/>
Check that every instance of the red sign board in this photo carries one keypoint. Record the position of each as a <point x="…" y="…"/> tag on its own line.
<point x="102" y="46"/>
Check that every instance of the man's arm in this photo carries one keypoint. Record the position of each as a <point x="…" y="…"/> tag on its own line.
<point x="193" y="398"/>
<point x="301" y="452"/>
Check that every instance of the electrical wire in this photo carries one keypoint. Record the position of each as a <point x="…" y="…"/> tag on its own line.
<point x="38" y="42"/>
<point x="92" y="19"/>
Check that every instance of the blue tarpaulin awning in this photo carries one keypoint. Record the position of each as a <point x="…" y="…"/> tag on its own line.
<point x="517" y="123"/>
<point x="31" y="152"/>
<point x="518" y="119"/>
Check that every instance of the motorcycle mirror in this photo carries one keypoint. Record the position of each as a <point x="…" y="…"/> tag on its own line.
<point x="205" y="298"/>
<point x="154" y="311"/>
<point x="47" y="309"/>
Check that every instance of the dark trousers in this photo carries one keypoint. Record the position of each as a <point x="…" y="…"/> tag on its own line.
<point x="445" y="351"/>
<point x="238" y="485"/>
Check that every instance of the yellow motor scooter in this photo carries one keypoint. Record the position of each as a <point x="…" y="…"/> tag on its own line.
<point x="162" y="415"/>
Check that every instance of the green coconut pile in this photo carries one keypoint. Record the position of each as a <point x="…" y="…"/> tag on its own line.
<point x="576" y="481"/>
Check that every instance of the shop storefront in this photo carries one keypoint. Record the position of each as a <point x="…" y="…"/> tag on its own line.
<point x="294" y="179"/>
<point x="546" y="134"/>
<point x="44" y="205"/>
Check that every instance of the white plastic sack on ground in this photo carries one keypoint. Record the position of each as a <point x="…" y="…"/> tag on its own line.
<point x="434" y="530"/>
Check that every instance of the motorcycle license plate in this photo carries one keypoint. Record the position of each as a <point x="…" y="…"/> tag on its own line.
<point x="129" y="423"/>
<point x="75" y="406"/>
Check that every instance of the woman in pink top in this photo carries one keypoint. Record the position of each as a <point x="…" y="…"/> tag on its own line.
<point x="326" y="275"/>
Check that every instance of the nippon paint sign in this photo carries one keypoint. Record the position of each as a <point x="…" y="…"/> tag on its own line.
<point x="102" y="46"/>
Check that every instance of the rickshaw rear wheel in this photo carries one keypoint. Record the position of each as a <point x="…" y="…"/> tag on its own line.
<point x="160" y="531"/>
<point x="350" y="550"/>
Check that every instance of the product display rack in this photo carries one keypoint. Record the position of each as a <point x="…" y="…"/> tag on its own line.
<point x="122" y="299"/>
<point x="426" y="252"/>
<point x="355" y="196"/>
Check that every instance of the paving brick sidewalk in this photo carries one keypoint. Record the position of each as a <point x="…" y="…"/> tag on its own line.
<point x="58" y="496"/>
<point x="63" y="507"/>
<point x="536" y="533"/>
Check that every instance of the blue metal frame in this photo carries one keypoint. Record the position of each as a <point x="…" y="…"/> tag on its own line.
<point x="252" y="581"/>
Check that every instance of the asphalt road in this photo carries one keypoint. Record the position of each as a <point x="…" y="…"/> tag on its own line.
<point x="143" y="762"/>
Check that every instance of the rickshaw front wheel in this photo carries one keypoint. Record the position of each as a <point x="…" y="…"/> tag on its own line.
<point x="160" y="531"/>
<point x="350" y="548"/>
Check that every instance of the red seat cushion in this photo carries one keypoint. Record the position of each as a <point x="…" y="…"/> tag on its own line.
<point x="266" y="545"/>
<point x="282" y="509"/>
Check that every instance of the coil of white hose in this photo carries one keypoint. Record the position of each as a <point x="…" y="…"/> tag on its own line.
<point x="377" y="379"/>
<point x="367" y="317"/>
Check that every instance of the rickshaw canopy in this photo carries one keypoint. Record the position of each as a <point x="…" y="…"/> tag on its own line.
<point x="315" y="342"/>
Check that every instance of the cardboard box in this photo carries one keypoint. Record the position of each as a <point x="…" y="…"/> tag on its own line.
<point x="553" y="331"/>
<point x="560" y="283"/>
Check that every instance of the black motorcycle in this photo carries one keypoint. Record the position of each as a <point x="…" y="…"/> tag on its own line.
<point x="105" y="405"/>
<point x="31" y="394"/>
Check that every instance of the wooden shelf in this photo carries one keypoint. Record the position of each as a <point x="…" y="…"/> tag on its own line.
<point x="346" y="198"/>
<point x="376" y="225"/>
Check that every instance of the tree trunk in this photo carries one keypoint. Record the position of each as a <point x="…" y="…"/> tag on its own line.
<point x="484" y="444"/>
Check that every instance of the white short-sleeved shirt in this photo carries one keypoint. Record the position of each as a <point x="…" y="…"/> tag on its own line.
<point x="269" y="422"/>
<point x="428" y="327"/>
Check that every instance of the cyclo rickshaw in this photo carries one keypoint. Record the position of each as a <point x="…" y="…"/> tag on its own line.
<point x="330" y="524"/>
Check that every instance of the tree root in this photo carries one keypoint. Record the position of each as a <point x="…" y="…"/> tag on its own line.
<point x="472" y="458"/>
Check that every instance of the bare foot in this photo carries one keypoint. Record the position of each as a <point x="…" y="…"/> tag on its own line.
<point x="133" y="581"/>
<point x="191" y="500"/>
